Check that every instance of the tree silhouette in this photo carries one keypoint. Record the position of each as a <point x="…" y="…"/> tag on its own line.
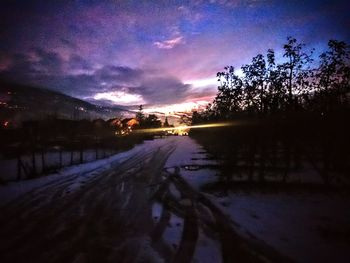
<point x="140" y="116"/>
<point x="303" y="108"/>
<point x="166" y="123"/>
<point x="333" y="74"/>
<point x="254" y="79"/>
<point x="295" y="67"/>
<point x="267" y="87"/>
<point x="151" y="121"/>
<point x="275" y="77"/>
<point x="229" y="97"/>
<point x="185" y="119"/>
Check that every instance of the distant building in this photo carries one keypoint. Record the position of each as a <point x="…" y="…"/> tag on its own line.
<point x="130" y="122"/>
<point x="123" y="127"/>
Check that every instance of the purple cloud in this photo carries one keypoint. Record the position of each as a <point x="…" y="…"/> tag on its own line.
<point x="151" y="50"/>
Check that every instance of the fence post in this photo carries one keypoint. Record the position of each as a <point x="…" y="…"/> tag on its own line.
<point x="96" y="151"/>
<point x="33" y="164"/>
<point x="81" y="154"/>
<point x="60" y="157"/>
<point x="71" y="157"/>
<point x="19" y="170"/>
<point x="43" y="165"/>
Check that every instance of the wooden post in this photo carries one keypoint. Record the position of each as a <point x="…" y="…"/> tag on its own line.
<point x="43" y="165"/>
<point x="60" y="157"/>
<point x="19" y="168"/>
<point x="262" y="162"/>
<point x="287" y="156"/>
<point x="81" y="154"/>
<point x="33" y="164"/>
<point x="71" y="157"/>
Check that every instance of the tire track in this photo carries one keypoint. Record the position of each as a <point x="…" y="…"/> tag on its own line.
<point x="63" y="232"/>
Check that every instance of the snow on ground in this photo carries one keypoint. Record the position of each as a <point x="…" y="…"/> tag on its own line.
<point x="182" y="155"/>
<point x="156" y="211"/>
<point x="51" y="159"/>
<point x="82" y="172"/>
<point x="207" y="250"/>
<point x="186" y="150"/>
<point x="175" y="193"/>
<point x="191" y="154"/>
<point x="306" y="227"/>
<point x="173" y="231"/>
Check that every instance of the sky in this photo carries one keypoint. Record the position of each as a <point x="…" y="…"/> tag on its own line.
<point x="162" y="54"/>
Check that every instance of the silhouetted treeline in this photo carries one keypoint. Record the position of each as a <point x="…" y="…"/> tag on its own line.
<point x="295" y="84"/>
<point x="54" y="140"/>
<point x="150" y="121"/>
<point x="288" y="117"/>
<point x="68" y="134"/>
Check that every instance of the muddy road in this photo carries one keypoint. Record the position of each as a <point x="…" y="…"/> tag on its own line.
<point x="110" y="216"/>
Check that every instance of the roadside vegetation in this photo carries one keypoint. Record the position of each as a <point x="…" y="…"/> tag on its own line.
<point x="288" y="117"/>
<point x="40" y="147"/>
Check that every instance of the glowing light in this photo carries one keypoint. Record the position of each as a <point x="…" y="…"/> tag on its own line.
<point x="185" y="127"/>
<point x="120" y="97"/>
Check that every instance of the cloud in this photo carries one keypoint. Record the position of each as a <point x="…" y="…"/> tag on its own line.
<point x="36" y="63"/>
<point x="114" y="83"/>
<point x="48" y="62"/>
<point x="121" y="75"/>
<point x="137" y="47"/>
<point x="232" y="3"/>
<point x="162" y="90"/>
<point x="170" y="43"/>
<point x="78" y="65"/>
<point x="120" y="97"/>
<point x="68" y="43"/>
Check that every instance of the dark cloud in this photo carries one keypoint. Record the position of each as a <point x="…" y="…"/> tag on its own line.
<point x="162" y="90"/>
<point x="91" y="46"/>
<point x="48" y="62"/>
<point x="68" y="43"/>
<point x="31" y="66"/>
<point x="119" y="74"/>
<point x="21" y="67"/>
<point x="77" y="62"/>
<point x="46" y="69"/>
<point x="82" y="85"/>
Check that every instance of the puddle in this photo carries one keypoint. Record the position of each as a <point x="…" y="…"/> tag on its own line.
<point x="157" y="209"/>
<point x="173" y="232"/>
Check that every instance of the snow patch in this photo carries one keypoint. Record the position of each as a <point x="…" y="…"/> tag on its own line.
<point x="157" y="209"/>
<point x="207" y="250"/>
<point x="306" y="227"/>
<point x="82" y="172"/>
<point x="173" y="232"/>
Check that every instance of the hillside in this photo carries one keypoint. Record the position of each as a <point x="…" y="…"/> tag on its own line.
<point x="21" y="102"/>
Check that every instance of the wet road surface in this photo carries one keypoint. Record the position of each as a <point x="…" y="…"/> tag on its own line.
<point x="108" y="218"/>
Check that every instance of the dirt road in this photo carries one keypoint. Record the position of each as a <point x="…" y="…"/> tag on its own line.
<point x="109" y="216"/>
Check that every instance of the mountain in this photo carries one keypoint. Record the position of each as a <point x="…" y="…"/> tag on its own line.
<point x="22" y="102"/>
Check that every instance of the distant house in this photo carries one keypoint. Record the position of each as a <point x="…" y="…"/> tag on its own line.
<point x="123" y="127"/>
<point x="130" y="122"/>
